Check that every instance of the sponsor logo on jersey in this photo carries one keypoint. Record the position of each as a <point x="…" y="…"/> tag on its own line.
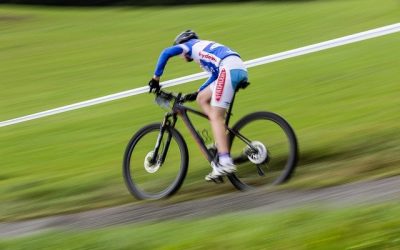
<point x="220" y="85"/>
<point x="207" y="56"/>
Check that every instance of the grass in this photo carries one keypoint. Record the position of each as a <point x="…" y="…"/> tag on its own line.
<point x="373" y="227"/>
<point x="343" y="102"/>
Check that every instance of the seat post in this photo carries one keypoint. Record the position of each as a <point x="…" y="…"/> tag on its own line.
<point x="241" y="85"/>
<point x="229" y="113"/>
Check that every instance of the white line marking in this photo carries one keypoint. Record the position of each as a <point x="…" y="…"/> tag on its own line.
<point x="251" y="63"/>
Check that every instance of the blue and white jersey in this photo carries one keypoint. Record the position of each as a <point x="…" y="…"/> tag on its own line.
<point x="206" y="53"/>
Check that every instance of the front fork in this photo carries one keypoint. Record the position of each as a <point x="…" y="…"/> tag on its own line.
<point x="167" y="123"/>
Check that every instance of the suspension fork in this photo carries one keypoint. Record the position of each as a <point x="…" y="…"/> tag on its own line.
<point x="164" y="126"/>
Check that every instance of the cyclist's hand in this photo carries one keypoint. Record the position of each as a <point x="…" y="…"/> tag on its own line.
<point x="190" y="97"/>
<point x="154" y="84"/>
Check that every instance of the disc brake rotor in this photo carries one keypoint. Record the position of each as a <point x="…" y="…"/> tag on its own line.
<point x="257" y="156"/>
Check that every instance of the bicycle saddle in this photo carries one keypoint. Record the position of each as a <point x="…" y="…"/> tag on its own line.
<point x="242" y="85"/>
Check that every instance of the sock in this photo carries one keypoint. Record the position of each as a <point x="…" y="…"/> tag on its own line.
<point x="225" y="158"/>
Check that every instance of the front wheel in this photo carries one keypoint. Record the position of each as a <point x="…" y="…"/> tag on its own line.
<point x="146" y="179"/>
<point x="264" y="149"/>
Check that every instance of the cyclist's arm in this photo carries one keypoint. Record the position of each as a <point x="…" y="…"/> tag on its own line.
<point x="165" y="55"/>
<point x="211" y="79"/>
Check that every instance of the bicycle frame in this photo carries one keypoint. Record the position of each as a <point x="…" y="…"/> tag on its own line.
<point x="170" y="118"/>
<point x="262" y="144"/>
<point x="182" y="111"/>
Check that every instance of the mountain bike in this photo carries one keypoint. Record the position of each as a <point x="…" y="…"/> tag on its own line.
<point x="263" y="147"/>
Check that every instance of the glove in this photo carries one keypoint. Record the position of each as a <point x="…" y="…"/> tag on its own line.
<point x="154" y="84"/>
<point x="190" y="97"/>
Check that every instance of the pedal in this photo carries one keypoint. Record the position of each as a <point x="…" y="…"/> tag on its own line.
<point x="217" y="180"/>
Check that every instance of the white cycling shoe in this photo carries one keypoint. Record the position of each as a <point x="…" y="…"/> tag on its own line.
<point x="220" y="170"/>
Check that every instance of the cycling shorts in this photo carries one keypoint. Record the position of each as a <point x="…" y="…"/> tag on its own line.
<point x="231" y="72"/>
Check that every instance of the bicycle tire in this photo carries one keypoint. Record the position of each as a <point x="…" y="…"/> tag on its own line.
<point x="135" y="171"/>
<point x="251" y="174"/>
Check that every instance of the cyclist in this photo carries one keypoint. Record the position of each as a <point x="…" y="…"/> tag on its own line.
<point x="226" y="71"/>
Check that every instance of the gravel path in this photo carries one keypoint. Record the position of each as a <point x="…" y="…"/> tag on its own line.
<point x="261" y="200"/>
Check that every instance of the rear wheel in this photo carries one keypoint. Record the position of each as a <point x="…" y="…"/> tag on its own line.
<point x="265" y="151"/>
<point x="154" y="180"/>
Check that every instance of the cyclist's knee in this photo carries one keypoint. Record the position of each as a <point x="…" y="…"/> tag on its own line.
<point x="203" y="98"/>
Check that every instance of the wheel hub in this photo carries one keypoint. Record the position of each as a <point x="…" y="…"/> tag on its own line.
<point x="150" y="168"/>
<point x="257" y="156"/>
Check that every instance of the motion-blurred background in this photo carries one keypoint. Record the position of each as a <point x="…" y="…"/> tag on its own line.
<point x="343" y="104"/>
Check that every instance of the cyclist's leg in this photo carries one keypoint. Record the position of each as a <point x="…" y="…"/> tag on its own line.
<point x="220" y="101"/>
<point x="217" y="121"/>
<point x="216" y="116"/>
<point x="221" y="97"/>
<point x="214" y="106"/>
<point x="232" y="72"/>
<point x="214" y="101"/>
<point x="204" y="99"/>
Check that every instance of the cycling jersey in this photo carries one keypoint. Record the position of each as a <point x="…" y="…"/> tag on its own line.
<point x="206" y="53"/>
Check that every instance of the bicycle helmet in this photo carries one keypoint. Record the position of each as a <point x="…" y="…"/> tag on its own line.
<point x="185" y="36"/>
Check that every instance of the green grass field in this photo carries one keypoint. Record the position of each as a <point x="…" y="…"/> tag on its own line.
<point x="343" y="102"/>
<point x="374" y="227"/>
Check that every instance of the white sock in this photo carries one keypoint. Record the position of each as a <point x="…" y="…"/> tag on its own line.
<point x="225" y="158"/>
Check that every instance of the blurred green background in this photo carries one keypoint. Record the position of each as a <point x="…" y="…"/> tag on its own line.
<point x="343" y="102"/>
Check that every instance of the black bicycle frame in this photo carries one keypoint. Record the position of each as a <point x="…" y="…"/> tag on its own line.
<point x="182" y="110"/>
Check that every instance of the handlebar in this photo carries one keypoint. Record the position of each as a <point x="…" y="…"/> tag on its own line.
<point x="168" y="95"/>
<point x="164" y="98"/>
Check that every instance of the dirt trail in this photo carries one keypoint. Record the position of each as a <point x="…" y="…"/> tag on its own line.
<point x="368" y="192"/>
